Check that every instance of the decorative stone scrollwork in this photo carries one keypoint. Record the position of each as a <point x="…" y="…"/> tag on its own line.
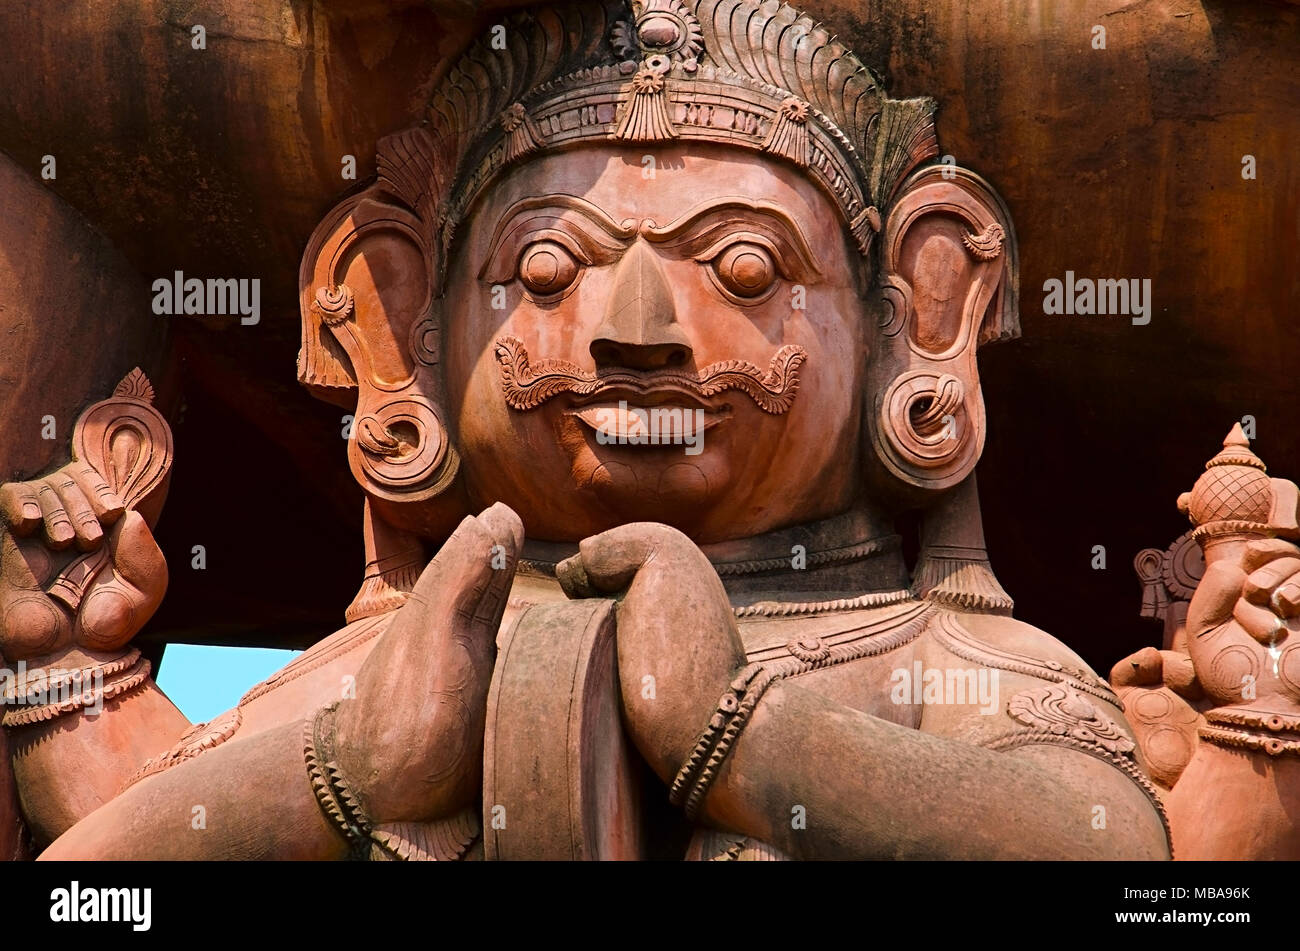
<point x="198" y="739"/>
<point x="923" y="424"/>
<point x="1056" y="708"/>
<point x="334" y="304"/>
<point x="986" y="245"/>
<point x="399" y="445"/>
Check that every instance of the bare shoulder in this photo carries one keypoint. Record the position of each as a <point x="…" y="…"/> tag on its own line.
<point x="1029" y="682"/>
<point x="1040" y="702"/>
<point x="1007" y="636"/>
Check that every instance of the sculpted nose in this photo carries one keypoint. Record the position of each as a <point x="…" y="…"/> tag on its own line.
<point x="640" y="328"/>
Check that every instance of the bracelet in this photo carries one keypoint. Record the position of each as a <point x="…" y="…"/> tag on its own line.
<point x="443" y="840"/>
<point x="733" y="711"/>
<point x="332" y="791"/>
<point x="38" y="694"/>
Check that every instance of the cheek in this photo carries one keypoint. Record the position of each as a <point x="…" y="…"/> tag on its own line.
<point x="824" y="420"/>
<point x="558" y="331"/>
<point x="833" y="328"/>
<point x="562" y="330"/>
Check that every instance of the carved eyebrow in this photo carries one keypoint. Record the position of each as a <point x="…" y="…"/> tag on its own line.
<point x="565" y="218"/>
<point x="703" y="226"/>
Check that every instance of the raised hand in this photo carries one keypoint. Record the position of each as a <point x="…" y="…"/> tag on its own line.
<point x="76" y="568"/>
<point x="72" y="504"/>
<point x="411" y="742"/>
<point x="1242" y="624"/>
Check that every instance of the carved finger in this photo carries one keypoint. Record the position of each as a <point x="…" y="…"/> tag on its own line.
<point x="59" y="533"/>
<point x="107" y="505"/>
<point x="1260" y="553"/>
<point x="1143" y="669"/>
<point x="137" y="559"/>
<point x="1180" y="675"/>
<point x="459" y="574"/>
<point x="1260" y="623"/>
<point x="607" y="563"/>
<point x="84" y="522"/>
<point x="19" y="507"/>
<point x="126" y="595"/>
<point x="1260" y="584"/>
<point x="507" y="533"/>
<point x="1285" y="600"/>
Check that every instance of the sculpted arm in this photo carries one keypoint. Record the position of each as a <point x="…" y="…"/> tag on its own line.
<point x="874" y="789"/>
<point x="868" y="788"/>
<point x="373" y="774"/>
<point x="80" y="574"/>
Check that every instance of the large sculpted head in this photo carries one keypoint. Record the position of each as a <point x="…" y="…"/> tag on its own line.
<point x="670" y="261"/>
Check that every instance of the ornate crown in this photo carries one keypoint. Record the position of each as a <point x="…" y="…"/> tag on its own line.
<point x="760" y="76"/>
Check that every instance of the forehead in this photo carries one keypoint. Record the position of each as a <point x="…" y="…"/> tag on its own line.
<point x="631" y="182"/>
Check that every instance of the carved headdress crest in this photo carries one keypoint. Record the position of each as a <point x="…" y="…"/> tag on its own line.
<point x="759" y="76"/>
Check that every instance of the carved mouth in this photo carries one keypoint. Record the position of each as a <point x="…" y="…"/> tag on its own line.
<point x="661" y="422"/>
<point x="661" y="394"/>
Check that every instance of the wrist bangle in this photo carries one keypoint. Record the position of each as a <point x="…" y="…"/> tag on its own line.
<point x="332" y="791"/>
<point x="734" y="709"/>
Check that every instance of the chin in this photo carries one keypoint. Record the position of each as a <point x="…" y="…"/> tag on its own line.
<point x="646" y="483"/>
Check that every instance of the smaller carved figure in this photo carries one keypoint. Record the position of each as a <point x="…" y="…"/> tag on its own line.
<point x="1217" y="711"/>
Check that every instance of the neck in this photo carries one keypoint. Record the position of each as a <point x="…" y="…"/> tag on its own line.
<point x="841" y="557"/>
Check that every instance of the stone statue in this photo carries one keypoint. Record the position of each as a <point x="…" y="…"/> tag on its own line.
<point x="685" y="307"/>
<point x="1217" y="710"/>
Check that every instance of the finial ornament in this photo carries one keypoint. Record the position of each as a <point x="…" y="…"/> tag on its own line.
<point x="1234" y="493"/>
<point x="660" y="27"/>
<point x="521" y="133"/>
<point x="789" y="135"/>
<point x="1236" y="451"/>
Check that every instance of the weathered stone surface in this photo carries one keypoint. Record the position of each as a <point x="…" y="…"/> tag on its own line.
<point x="71" y="322"/>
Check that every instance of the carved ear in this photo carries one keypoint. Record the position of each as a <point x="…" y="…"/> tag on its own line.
<point x="949" y="282"/>
<point x="370" y="340"/>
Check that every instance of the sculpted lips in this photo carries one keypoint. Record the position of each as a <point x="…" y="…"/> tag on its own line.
<point x="654" y="423"/>
<point x="528" y="386"/>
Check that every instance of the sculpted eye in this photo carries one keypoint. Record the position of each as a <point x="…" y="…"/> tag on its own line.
<point x="547" y="267"/>
<point x="746" y="270"/>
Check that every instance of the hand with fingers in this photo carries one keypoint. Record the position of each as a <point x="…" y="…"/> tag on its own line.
<point x="675" y="624"/>
<point x="76" y="567"/>
<point x="1242" y="625"/>
<point x="434" y="664"/>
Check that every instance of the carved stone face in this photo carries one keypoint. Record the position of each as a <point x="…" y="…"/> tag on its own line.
<point x="671" y="304"/>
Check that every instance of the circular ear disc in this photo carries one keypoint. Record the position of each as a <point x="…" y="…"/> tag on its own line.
<point x="926" y="432"/>
<point x="400" y="450"/>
